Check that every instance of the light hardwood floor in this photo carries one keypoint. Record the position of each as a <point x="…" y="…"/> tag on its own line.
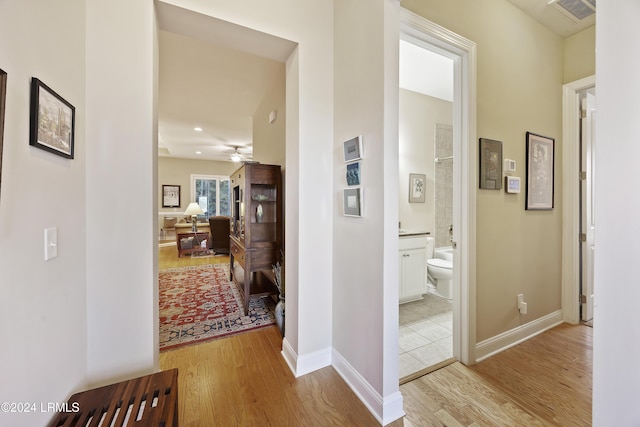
<point x="244" y="381"/>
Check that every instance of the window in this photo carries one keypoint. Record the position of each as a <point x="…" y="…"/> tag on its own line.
<point x="212" y="194"/>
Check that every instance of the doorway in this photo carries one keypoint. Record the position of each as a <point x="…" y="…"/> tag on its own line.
<point x="571" y="200"/>
<point x="425" y="149"/>
<point x="426" y="35"/>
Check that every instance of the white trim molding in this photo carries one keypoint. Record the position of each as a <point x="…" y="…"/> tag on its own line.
<point x="302" y="365"/>
<point x="571" y="197"/>
<point x="386" y="409"/>
<point x="513" y="337"/>
<point x="420" y="31"/>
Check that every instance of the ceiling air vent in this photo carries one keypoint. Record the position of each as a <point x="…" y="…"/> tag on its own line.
<point x="576" y="10"/>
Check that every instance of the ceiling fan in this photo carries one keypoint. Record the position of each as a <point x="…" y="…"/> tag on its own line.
<point x="236" y="156"/>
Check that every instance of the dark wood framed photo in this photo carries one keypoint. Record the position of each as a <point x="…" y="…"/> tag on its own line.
<point x="490" y="164"/>
<point x="3" y="95"/>
<point x="52" y="121"/>
<point x="170" y="196"/>
<point x="540" y="172"/>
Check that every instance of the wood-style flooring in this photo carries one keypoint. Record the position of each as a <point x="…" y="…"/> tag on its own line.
<point x="244" y="381"/>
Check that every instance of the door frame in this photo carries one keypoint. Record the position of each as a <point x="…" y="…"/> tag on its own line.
<point x="571" y="197"/>
<point x="424" y="33"/>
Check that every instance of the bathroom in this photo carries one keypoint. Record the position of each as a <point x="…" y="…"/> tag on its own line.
<point x="425" y="210"/>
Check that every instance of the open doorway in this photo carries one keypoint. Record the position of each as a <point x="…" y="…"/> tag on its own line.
<point x="426" y="256"/>
<point x="431" y="37"/>
<point x="221" y="102"/>
<point x="572" y="234"/>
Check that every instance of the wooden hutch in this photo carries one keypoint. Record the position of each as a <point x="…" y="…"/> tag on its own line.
<point x="256" y="235"/>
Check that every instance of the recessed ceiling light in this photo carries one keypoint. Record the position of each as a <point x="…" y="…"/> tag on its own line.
<point x="198" y="152"/>
<point x="197" y="129"/>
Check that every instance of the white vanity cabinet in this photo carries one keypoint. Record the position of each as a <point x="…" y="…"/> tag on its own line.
<point x="413" y="266"/>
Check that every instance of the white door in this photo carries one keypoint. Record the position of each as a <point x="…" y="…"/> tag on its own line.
<point x="587" y="220"/>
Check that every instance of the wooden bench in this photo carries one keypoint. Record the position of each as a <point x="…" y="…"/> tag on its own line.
<point x="148" y="401"/>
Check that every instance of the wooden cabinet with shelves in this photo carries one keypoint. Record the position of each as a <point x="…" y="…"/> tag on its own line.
<point x="256" y="236"/>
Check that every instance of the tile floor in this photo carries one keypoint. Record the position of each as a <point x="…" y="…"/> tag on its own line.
<point x="425" y="333"/>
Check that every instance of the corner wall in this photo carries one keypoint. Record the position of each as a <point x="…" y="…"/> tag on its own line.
<point x="616" y="343"/>
<point x="43" y="303"/>
<point x="365" y="249"/>
<point x="122" y="285"/>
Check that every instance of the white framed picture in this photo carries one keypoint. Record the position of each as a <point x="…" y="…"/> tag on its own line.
<point x="417" y="187"/>
<point x="353" y="149"/>
<point x="352" y="201"/>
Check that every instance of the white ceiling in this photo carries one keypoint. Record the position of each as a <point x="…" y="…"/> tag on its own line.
<point x="213" y="75"/>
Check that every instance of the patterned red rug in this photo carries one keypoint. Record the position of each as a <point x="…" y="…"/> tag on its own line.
<point x="200" y="303"/>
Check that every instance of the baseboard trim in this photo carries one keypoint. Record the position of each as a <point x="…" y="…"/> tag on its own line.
<point x="302" y="365"/>
<point x="508" y="339"/>
<point x="384" y="409"/>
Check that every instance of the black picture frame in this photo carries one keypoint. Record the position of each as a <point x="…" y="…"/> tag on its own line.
<point x="170" y="196"/>
<point x="540" y="187"/>
<point x="52" y="121"/>
<point x="490" y="164"/>
<point x="3" y="96"/>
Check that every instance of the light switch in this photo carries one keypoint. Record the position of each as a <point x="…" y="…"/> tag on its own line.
<point x="50" y="243"/>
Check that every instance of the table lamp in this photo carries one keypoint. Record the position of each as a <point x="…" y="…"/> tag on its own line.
<point x="194" y="210"/>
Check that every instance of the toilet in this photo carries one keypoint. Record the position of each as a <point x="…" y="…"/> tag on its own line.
<point x="440" y="269"/>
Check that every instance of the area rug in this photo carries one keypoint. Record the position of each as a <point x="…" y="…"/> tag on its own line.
<point x="199" y="303"/>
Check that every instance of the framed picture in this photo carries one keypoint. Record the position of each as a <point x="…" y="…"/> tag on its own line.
<point x="417" y="183"/>
<point x="3" y="94"/>
<point x="353" y="174"/>
<point x="540" y="170"/>
<point x="490" y="164"/>
<point x="170" y="196"/>
<point x="352" y="201"/>
<point x="52" y="121"/>
<point x="353" y="149"/>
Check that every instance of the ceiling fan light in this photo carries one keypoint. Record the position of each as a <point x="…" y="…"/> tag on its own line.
<point x="235" y="157"/>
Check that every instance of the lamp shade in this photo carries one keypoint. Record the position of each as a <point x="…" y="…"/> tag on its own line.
<point x="193" y="209"/>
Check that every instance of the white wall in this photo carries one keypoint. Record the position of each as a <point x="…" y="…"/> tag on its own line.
<point x="365" y="275"/>
<point x="269" y="139"/>
<point x="42" y="308"/>
<point x="419" y="115"/>
<point x="616" y="342"/>
<point x="121" y="190"/>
